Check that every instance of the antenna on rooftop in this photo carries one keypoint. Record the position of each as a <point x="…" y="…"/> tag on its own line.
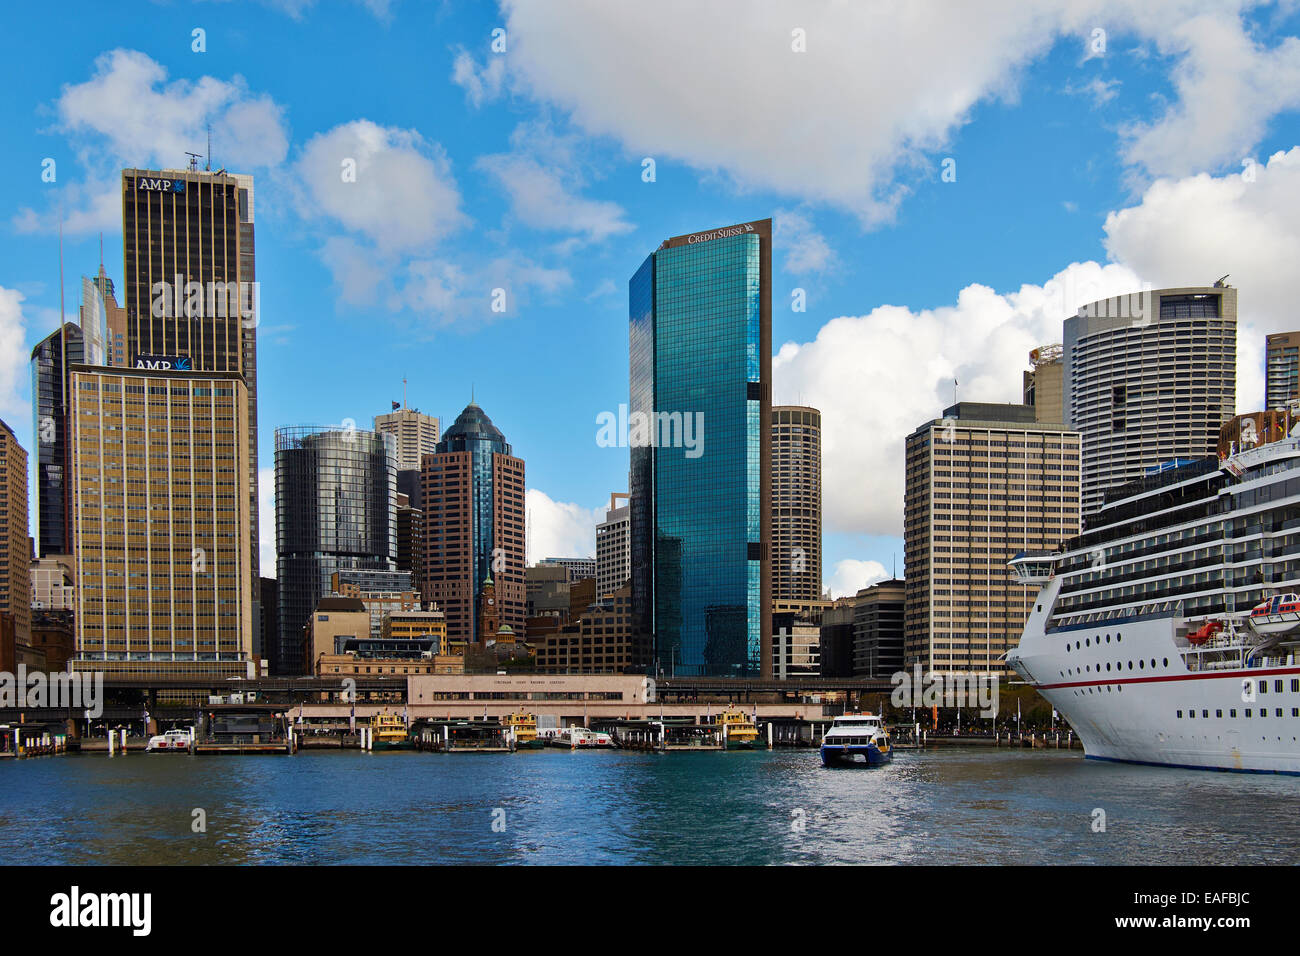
<point x="207" y="165"/>
<point x="194" y="160"/>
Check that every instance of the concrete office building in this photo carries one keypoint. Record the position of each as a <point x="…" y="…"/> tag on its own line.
<point x="1044" y="383"/>
<point x="699" y="429"/>
<point x="1149" y="379"/>
<point x="53" y="587"/>
<point x="335" y="510"/>
<point x="190" y="283"/>
<point x="576" y="569"/>
<point x="1281" y="369"/>
<point x="410" y="536"/>
<point x="614" y="546"/>
<point x="15" y="552"/>
<point x="51" y="360"/>
<point x="878" y="629"/>
<point x="382" y="592"/>
<point x="796" y="504"/>
<point x="416" y="435"/>
<point x="161" y="522"/>
<point x="983" y="483"/>
<point x="474" y="526"/>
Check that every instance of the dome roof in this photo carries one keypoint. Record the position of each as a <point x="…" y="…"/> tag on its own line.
<point x="473" y="422"/>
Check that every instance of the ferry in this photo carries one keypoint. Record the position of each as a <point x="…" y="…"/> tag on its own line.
<point x="525" y="731"/>
<point x="739" y="730"/>
<point x="578" y="738"/>
<point x="856" y="738"/>
<point x="390" y="733"/>
<point x="1166" y="633"/>
<point x="173" y="741"/>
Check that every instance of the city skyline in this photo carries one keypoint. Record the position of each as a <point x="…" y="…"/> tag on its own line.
<point x="893" y="274"/>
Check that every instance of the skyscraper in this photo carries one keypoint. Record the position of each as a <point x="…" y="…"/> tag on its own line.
<point x="190" y="283"/>
<point x="15" y="553"/>
<point x="700" y="314"/>
<point x="161" y="522"/>
<point x="1281" y="369"/>
<point x="51" y="359"/>
<point x="796" y="504"/>
<point x="335" y="509"/>
<point x="416" y="435"/>
<point x="983" y="483"/>
<point x="473" y="489"/>
<point x="1149" y="379"/>
<point x="1042" y="384"/>
<point x="614" y="546"/>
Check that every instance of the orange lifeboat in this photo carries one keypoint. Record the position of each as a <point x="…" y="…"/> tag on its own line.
<point x="1206" y="631"/>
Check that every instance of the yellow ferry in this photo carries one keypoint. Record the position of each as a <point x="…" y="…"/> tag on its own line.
<point x="525" y="730"/>
<point x="390" y="732"/>
<point x="740" y="731"/>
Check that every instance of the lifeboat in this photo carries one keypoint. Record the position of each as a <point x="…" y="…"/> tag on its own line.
<point x="1280" y="614"/>
<point x="1205" y="632"/>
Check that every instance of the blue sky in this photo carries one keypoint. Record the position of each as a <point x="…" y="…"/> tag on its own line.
<point x="1161" y="154"/>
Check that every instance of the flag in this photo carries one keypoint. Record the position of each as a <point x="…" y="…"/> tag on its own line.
<point x="396" y="405"/>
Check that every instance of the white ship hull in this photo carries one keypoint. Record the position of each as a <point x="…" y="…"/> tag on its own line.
<point x="1129" y="694"/>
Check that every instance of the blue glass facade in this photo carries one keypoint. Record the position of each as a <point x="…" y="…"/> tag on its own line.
<point x="700" y="350"/>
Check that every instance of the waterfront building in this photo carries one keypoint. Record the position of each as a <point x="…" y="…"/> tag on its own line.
<point x="614" y="546"/>
<point x="416" y="624"/>
<point x="599" y="641"/>
<point x="416" y="435"/>
<point x="15" y="551"/>
<point x="161" y="522"/>
<point x="190" y="284"/>
<point x="983" y="483"/>
<point x="796" y="504"/>
<point x="796" y="646"/>
<point x="53" y="583"/>
<point x="1043" y="384"/>
<point x="335" y="510"/>
<point x="878" y="629"/>
<point x="1281" y="369"/>
<point x="474" y="525"/>
<point x="333" y="622"/>
<point x="1149" y="378"/>
<point x="700" y="314"/>
<point x="836" y="638"/>
<point x="54" y="637"/>
<point x="546" y="589"/>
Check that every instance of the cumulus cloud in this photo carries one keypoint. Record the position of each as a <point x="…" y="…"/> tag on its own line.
<point x="849" y="120"/>
<point x="540" y="198"/>
<point x="559" y="529"/>
<point x="129" y="114"/>
<point x="878" y="376"/>
<point x="388" y="184"/>
<point x="481" y="84"/>
<point x="13" y="354"/>
<point x="806" y="249"/>
<point x="850" y="576"/>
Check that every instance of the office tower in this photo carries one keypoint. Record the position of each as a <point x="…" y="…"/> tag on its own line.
<point x="53" y="580"/>
<point x="15" y="552"/>
<point x="335" y="509"/>
<point x="614" y="546"/>
<point x="416" y="435"/>
<point x="796" y="646"/>
<point x="109" y="317"/>
<point x="983" y="483"/>
<point x="51" y="359"/>
<point x="700" y="331"/>
<point x="878" y="630"/>
<point x="796" y="505"/>
<point x="268" y="591"/>
<point x="600" y="641"/>
<point x="161" y="522"/>
<point x="576" y="569"/>
<point x="382" y="592"/>
<point x="410" y="537"/>
<point x="1281" y="369"/>
<point x="836" y="638"/>
<point x="1043" y="383"/>
<point x="190" y="283"/>
<point x="474" y="525"/>
<point x="1149" y="379"/>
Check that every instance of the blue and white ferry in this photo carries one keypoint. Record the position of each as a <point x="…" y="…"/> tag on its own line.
<point x="856" y="738"/>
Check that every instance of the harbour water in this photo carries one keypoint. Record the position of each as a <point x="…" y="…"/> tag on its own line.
<point x="953" y="805"/>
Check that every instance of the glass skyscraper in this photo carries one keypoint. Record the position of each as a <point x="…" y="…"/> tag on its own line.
<point x="700" y="312"/>
<point x="335" y="510"/>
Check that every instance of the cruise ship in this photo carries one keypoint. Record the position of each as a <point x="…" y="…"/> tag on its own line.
<point x="1166" y="632"/>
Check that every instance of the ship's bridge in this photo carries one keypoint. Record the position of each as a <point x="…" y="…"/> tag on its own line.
<point x="1034" y="567"/>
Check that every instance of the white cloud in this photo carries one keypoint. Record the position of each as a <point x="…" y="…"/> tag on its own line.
<point x="402" y="197"/>
<point x="1196" y="229"/>
<point x="559" y="529"/>
<point x="266" y="520"/>
<point x="541" y="199"/>
<point x="1100" y="91"/>
<point x="481" y="84"/>
<point x="14" y="355"/>
<point x="851" y="575"/>
<point x="878" y="376"/>
<point x="851" y="119"/>
<point x="806" y="249"/>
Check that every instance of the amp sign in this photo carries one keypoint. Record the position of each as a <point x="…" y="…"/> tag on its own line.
<point x="160" y="185"/>
<point x="163" y="363"/>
